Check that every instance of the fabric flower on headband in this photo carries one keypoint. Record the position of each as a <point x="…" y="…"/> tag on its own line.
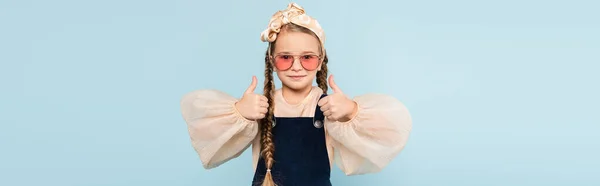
<point x="293" y="14"/>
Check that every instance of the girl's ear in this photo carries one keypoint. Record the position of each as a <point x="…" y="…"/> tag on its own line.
<point x="319" y="68"/>
<point x="272" y="64"/>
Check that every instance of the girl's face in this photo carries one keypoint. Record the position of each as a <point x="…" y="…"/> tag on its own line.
<point x="296" y="59"/>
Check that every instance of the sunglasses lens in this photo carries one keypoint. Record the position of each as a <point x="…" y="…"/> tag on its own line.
<point x="309" y="62"/>
<point x="284" y="62"/>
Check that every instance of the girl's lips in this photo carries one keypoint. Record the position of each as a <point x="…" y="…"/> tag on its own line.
<point x="297" y="77"/>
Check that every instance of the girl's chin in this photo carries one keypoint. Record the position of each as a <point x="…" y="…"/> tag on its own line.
<point x="297" y="85"/>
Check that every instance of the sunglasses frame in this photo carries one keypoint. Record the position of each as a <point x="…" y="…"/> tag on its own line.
<point x="319" y="57"/>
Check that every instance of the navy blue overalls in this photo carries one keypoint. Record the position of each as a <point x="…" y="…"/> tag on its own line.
<point x="300" y="156"/>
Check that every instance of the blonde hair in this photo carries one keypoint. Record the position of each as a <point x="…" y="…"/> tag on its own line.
<point x="267" y="146"/>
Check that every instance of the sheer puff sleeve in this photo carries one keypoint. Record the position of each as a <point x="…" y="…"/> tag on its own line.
<point x="370" y="140"/>
<point x="217" y="131"/>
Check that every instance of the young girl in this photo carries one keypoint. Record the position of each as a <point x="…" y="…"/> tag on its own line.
<point x="296" y="132"/>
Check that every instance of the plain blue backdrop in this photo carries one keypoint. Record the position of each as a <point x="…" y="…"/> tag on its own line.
<point x="501" y="92"/>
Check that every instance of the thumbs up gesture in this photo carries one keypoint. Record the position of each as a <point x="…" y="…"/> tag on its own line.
<point x="252" y="106"/>
<point x="336" y="106"/>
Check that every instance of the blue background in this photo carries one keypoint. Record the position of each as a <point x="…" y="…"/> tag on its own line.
<point x="501" y="92"/>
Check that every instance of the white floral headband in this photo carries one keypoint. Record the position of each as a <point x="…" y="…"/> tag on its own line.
<point x="293" y="14"/>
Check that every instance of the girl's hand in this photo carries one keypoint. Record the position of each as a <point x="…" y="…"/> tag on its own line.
<point x="336" y="106"/>
<point x="252" y="106"/>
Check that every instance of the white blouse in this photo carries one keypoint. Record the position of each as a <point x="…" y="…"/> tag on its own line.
<point x="365" y="144"/>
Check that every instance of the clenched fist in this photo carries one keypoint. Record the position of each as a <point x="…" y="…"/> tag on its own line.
<point x="336" y="106"/>
<point x="252" y="106"/>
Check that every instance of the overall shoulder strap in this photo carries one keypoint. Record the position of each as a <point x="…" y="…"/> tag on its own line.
<point x="318" y="113"/>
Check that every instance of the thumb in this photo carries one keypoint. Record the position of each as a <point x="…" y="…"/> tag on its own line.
<point x="334" y="86"/>
<point x="252" y="86"/>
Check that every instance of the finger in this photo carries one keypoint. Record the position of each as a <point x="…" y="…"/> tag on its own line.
<point x="252" y="86"/>
<point x="334" y="86"/>
<point x="327" y="113"/>
<point x="325" y="107"/>
<point x="263" y="104"/>
<point x="263" y="98"/>
<point x="261" y="116"/>
<point x="263" y="110"/>
<point x="323" y="101"/>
